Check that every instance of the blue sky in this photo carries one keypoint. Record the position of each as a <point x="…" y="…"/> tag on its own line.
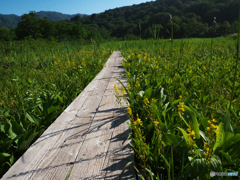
<point x="20" y="7"/>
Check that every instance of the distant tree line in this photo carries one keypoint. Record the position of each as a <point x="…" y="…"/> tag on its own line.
<point x="191" y="18"/>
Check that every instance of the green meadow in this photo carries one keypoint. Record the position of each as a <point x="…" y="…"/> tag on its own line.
<point x="183" y="99"/>
<point x="39" y="79"/>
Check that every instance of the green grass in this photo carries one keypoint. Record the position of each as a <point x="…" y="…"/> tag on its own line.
<point x="173" y="99"/>
<point x="39" y="79"/>
<point x="179" y="106"/>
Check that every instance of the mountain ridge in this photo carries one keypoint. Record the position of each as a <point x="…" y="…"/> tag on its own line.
<point x="11" y="20"/>
<point x="187" y="18"/>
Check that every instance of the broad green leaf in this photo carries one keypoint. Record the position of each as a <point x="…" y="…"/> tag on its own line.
<point x="204" y="136"/>
<point x="184" y="135"/>
<point x="66" y="75"/>
<point x="53" y="109"/>
<point x="233" y="112"/>
<point x="193" y="109"/>
<point x="185" y="122"/>
<point x="3" y="157"/>
<point x="197" y="164"/>
<point x="6" y="145"/>
<point x="11" y="134"/>
<point x="204" y="99"/>
<point x="175" y="102"/>
<point x="193" y="121"/>
<point x="6" y="114"/>
<point x="26" y="141"/>
<point x="148" y="92"/>
<point x="219" y="138"/>
<point x="222" y="137"/>
<point x="60" y="98"/>
<point x="32" y="118"/>
<point x="17" y="129"/>
<point x="227" y="135"/>
<point x="50" y="117"/>
<point x="227" y="122"/>
<point x="170" y="139"/>
<point x="5" y="154"/>
<point x="204" y="121"/>
<point x="234" y="151"/>
<point x="216" y="163"/>
<point x="3" y="128"/>
<point x="226" y="155"/>
<point x="231" y="141"/>
<point x="11" y="160"/>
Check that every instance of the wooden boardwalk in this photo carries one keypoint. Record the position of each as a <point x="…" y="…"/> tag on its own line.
<point x="88" y="140"/>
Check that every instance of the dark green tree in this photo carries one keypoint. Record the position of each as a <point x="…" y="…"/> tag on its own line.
<point x="30" y="25"/>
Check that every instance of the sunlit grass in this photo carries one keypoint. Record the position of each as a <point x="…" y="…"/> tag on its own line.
<point x="39" y="79"/>
<point x="181" y="123"/>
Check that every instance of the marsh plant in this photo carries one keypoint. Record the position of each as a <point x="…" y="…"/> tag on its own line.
<point x="182" y="126"/>
<point x="32" y="99"/>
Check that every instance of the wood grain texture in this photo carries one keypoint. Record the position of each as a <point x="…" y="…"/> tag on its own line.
<point x="88" y="140"/>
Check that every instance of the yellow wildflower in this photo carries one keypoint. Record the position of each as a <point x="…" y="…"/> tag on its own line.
<point x="139" y="121"/>
<point x="128" y="86"/>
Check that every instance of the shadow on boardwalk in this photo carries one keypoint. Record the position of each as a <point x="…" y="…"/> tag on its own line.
<point x="116" y="154"/>
<point x="87" y="141"/>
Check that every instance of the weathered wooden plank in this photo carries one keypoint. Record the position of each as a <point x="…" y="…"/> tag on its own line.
<point x="28" y="164"/>
<point x="66" y="149"/>
<point x="106" y="72"/>
<point x="101" y="131"/>
<point x="86" y="137"/>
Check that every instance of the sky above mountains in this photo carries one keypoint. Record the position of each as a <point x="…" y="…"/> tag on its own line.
<point x="64" y="6"/>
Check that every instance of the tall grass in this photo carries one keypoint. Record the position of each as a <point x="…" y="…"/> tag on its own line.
<point x="181" y="126"/>
<point x="39" y="79"/>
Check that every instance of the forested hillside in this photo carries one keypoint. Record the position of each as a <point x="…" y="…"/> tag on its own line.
<point x="11" y="21"/>
<point x="190" y="18"/>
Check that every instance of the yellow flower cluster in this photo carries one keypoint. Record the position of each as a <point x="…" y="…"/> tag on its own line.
<point x="141" y="148"/>
<point x="191" y="136"/>
<point x="130" y="112"/>
<point x="123" y="92"/>
<point x="145" y="58"/>
<point x="138" y="121"/>
<point x="116" y="90"/>
<point x="146" y="101"/>
<point x="139" y="56"/>
<point x="211" y="133"/>
<point x="181" y="107"/>
<point x="154" y="101"/>
<point x="137" y="85"/>
<point x="128" y="86"/>
<point x="83" y="63"/>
